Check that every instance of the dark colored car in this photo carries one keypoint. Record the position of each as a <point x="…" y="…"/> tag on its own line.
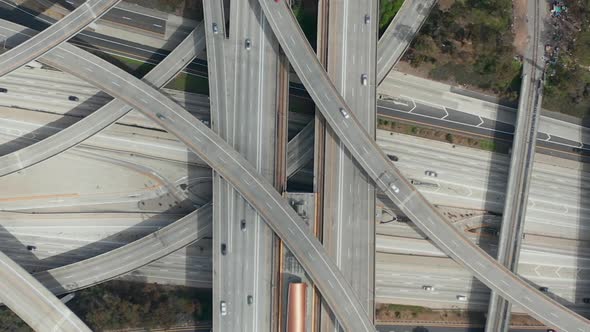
<point x="223" y="248"/>
<point x="392" y="157"/>
<point x="31" y="248"/>
<point x="3" y="90"/>
<point x="544" y="289"/>
<point x="73" y="98"/>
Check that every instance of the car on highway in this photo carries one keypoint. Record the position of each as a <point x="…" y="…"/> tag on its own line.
<point x="250" y="299"/>
<point x="431" y="174"/>
<point x="73" y="98"/>
<point x="394" y="188"/>
<point x="243" y="225"/>
<point x="428" y="288"/>
<point x="586" y="300"/>
<point x="223" y="308"/>
<point x="223" y="249"/>
<point x="367" y="18"/>
<point x="551" y="330"/>
<point x="3" y="90"/>
<point x="544" y="289"/>
<point x="461" y="297"/>
<point x="215" y="28"/>
<point x="364" y="79"/>
<point x="392" y="157"/>
<point x="31" y="248"/>
<point x="160" y="116"/>
<point x="344" y="113"/>
<point x="248" y="44"/>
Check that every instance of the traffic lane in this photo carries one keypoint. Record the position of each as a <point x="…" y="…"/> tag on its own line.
<point x="125" y="17"/>
<point x="469" y="124"/>
<point x="136" y="20"/>
<point x="429" y="328"/>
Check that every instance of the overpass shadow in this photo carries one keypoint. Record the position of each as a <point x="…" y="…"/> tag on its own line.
<point x="67" y="119"/>
<point x="582" y="281"/>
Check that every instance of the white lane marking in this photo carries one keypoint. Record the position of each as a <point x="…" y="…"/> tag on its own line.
<point x="115" y="83"/>
<point x="157" y="25"/>
<point x="88" y="69"/>
<point x="127" y="18"/>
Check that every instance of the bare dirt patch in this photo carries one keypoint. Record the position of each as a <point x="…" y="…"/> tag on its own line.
<point x="445" y="4"/>
<point x="521" y="36"/>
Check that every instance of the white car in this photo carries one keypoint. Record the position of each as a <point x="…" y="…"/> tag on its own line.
<point x="367" y="19"/>
<point x="364" y="79"/>
<point x="344" y="113"/>
<point x="428" y="288"/>
<point x="215" y="28"/>
<point x="223" y="308"/>
<point x="394" y="188"/>
<point x="461" y="297"/>
<point x="248" y="44"/>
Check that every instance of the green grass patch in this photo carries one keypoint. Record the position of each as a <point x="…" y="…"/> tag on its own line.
<point x="307" y="18"/>
<point x="487" y="145"/>
<point x="189" y="83"/>
<point x="412" y="308"/>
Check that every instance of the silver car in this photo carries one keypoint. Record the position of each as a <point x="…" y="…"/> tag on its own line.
<point x="248" y="44"/>
<point x="215" y="28"/>
<point x="367" y="19"/>
<point x="364" y="79"/>
<point x="344" y="113"/>
<point x="394" y="188"/>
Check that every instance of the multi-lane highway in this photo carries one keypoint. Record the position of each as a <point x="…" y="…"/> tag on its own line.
<point x="229" y="163"/>
<point x="521" y="163"/>
<point x="400" y="33"/>
<point x="61" y="31"/>
<point x="247" y="123"/>
<point x="103" y="117"/>
<point x="348" y="194"/>
<point x="397" y="188"/>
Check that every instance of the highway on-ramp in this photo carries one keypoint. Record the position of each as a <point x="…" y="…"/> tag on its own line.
<point x="400" y="33"/>
<point x="275" y="210"/>
<point x="398" y="189"/>
<point x="129" y="257"/>
<point x="32" y="302"/>
<point x="166" y="70"/>
<point x="57" y="33"/>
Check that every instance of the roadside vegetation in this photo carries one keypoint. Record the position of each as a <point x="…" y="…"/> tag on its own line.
<point x="10" y="322"/>
<point x="567" y="80"/>
<point x="469" y="43"/>
<point x="387" y="11"/>
<point x="481" y="143"/>
<point x="137" y="68"/>
<point x="305" y="11"/>
<point x="121" y="304"/>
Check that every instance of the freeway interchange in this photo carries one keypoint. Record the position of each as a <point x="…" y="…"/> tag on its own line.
<point x="246" y="179"/>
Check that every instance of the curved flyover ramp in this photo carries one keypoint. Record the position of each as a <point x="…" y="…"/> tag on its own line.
<point x="399" y="34"/>
<point x="129" y="257"/>
<point x="54" y="35"/>
<point x="159" y="76"/>
<point x="226" y="161"/>
<point x="398" y="189"/>
<point x="32" y="302"/>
